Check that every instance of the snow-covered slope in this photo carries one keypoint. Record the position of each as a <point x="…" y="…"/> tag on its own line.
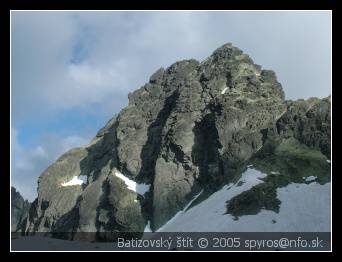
<point x="303" y="208"/>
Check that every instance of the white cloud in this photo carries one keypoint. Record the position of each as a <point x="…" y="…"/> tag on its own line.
<point x="83" y="75"/>
<point x="27" y="163"/>
<point x="120" y="50"/>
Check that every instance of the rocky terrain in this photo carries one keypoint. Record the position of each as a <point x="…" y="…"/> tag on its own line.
<point x="191" y="129"/>
<point x="19" y="211"/>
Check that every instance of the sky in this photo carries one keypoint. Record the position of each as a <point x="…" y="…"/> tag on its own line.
<point x="72" y="71"/>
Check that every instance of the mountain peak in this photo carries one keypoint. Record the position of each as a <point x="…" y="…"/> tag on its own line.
<point x="190" y="128"/>
<point x="227" y="52"/>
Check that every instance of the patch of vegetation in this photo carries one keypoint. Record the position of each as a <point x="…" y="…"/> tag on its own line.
<point x="295" y="161"/>
<point x="288" y="162"/>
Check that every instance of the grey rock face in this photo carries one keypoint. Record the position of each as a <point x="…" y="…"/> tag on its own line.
<point x="19" y="211"/>
<point x="309" y="121"/>
<point x="189" y="128"/>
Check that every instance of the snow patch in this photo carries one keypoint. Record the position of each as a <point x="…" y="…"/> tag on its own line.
<point x="328" y="161"/>
<point x="148" y="227"/>
<point x="141" y="189"/>
<point x="224" y="90"/>
<point x="275" y="173"/>
<point x="76" y="180"/>
<point x="309" y="178"/>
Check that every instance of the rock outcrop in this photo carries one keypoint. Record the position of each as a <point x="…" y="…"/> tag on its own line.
<point x="19" y="211"/>
<point x="309" y="121"/>
<point x="188" y="129"/>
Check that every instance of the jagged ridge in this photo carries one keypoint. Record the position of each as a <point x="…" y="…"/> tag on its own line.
<point x="189" y="128"/>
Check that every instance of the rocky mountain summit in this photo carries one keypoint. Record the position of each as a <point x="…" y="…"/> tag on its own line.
<point x="191" y="129"/>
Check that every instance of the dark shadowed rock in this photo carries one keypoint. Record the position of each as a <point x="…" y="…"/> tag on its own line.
<point x="309" y="121"/>
<point x="19" y="211"/>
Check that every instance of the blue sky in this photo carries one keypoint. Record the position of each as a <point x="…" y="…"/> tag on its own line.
<point x="71" y="71"/>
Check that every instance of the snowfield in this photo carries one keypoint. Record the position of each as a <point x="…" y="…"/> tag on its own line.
<point x="303" y="208"/>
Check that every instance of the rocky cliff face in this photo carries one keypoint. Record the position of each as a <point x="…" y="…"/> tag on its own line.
<point x="190" y="128"/>
<point x="19" y="211"/>
<point x="309" y="121"/>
